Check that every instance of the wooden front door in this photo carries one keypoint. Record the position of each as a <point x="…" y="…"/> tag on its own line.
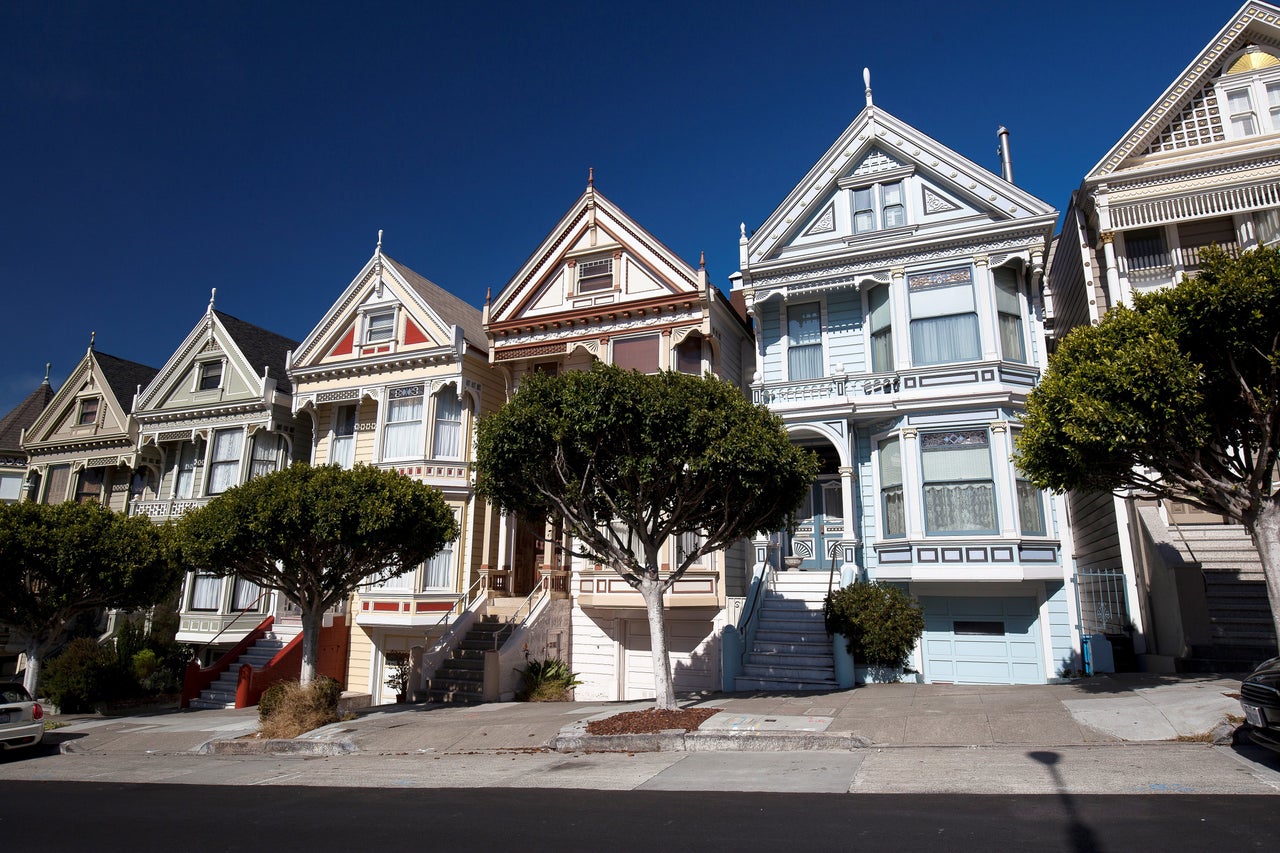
<point x="527" y="556"/>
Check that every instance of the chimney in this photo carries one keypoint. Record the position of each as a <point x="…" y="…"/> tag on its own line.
<point x="1006" y="167"/>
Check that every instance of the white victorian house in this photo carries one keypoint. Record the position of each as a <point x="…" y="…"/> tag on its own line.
<point x="896" y="297"/>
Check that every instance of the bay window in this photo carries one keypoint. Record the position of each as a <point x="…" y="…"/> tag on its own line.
<point x="804" y="341"/>
<point x="267" y="449"/>
<point x="206" y="592"/>
<point x="438" y="572"/>
<point x="447" y="443"/>
<point x="224" y="460"/>
<point x="880" y="322"/>
<point x="402" y="436"/>
<point x="959" y="494"/>
<point x="944" y="318"/>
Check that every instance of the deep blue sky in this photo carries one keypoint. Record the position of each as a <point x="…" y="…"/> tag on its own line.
<point x="152" y="151"/>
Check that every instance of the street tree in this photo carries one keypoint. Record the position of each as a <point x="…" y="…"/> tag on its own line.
<point x="315" y="534"/>
<point x="1176" y="398"/>
<point x="628" y="462"/>
<point x="61" y="561"/>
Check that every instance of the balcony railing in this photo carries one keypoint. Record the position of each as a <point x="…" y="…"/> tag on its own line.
<point x="866" y="386"/>
<point x="162" y="510"/>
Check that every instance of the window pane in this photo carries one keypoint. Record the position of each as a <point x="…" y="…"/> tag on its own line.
<point x="1238" y="101"/>
<point x="938" y="340"/>
<point x="895" y="513"/>
<point x="246" y="594"/>
<point x="804" y="362"/>
<point x="224" y="463"/>
<point x="88" y="412"/>
<point x="380" y="326"/>
<point x="56" y="490"/>
<point x="210" y="375"/>
<point x="439" y="569"/>
<point x="689" y="356"/>
<point x="89" y="487"/>
<point x="637" y="353"/>
<point x="186" y="471"/>
<point x="595" y="275"/>
<point x="890" y="462"/>
<point x="1011" y="343"/>
<point x="1030" y="509"/>
<point x="959" y="508"/>
<point x="206" y="592"/>
<point x="892" y="194"/>
<point x="895" y="216"/>
<point x="266" y="454"/>
<point x="894" y="520"/>
<point x="804" y="324"/>
<point x="448" y="432"/>
<point x="832" y="504"/>
<point x="10" y="487"/>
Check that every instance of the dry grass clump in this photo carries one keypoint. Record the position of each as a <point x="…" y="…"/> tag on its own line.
<point x="289" y="709"/>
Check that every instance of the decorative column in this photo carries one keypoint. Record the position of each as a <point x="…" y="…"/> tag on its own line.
<point x="912" y="480"/>
<point x="849" y="543"/>
<point x="899" y="313"/>
<point x="1002" y="479"/>
<point x="985" y="300"/>
<point x="1113" y="272"/>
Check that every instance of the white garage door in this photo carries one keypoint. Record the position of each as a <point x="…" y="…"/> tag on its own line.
<point x="982" y="640"/>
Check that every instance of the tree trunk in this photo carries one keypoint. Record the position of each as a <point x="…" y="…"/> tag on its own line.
<point x="31" y="675"/>
<point x="1266" y="538"/>
<point x="312" y="618"/>
<point x="664" y="689"/>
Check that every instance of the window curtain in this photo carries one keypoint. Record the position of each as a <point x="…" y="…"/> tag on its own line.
<point x="403" y="435"/>
<point x="880" y="321"/>
<point x="224" y="465"/>
<point x="342" y="448"/>
<point x="448" y="427"/>
<point x="895" y="514"/>
<point x="245" y="594"/>
<point x="56" y="489"/>
<point x="439" y="569"/>
<point x="938" y="340"/>
<point x="804" y="344"/>
<point x="206" y="592"/>
<point x="959" y="496"/>
<point x="640" y="353"/>
<point x="1009" y="311"/>
<point x="266" y="454"/>
<point x="1030" y="509"/>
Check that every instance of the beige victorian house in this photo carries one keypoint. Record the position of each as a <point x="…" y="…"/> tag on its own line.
<point x="601" y="288"/>
<point x="395" y="375"/>
<point x="216" y="415"/>
<point x="1200" y="167"/>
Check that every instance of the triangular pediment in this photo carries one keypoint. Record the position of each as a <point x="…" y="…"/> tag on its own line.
<point x="388" y="310"/>
<point x="93" y="404"/>
<point x="222" y="361"/>
<point x="596" y="256"/>
<point x="913" y="185"/>
<point x="1189" y="114"/>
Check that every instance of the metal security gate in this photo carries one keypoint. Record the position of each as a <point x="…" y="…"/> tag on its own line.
<point x="1102" y="601"/>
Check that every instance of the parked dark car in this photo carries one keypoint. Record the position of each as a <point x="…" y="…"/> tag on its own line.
<point x="1260" y="699"/>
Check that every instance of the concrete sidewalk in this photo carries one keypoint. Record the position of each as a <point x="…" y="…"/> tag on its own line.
<point x="1099" y="710"/>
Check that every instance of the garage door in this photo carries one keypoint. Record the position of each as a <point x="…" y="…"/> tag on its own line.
<point x="982" y="640"/>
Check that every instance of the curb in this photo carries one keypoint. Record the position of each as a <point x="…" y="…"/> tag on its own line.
<point x="276" y="746"/>
<point x="575" y="739"/>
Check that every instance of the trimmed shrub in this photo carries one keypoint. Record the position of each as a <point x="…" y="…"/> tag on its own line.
<point x="547" y="680"/>
<point x="84" y="676"/>
<point x="881" y="622"/>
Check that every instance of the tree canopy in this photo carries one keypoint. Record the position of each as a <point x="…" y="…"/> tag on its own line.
<point x="1177" y="397"/>
<point x="629" y="462"/>
<point x="60" y="561"/>
<point x="317" y="533"/>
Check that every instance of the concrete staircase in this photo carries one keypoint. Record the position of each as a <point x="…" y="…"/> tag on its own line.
<point x="792" y="650"/>
<point x="460" y="679"/>
<point x="1236" y="595"/>
<point x="222" y="693"/>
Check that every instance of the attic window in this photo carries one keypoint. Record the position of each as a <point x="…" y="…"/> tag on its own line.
<point x="379" y="327"/>
<point x="88" y="412"/>
<point x="1249" y="94"/>
<point x="595" y="275"/>
<point x="878" y="207"/>
<point x="210" y="376"/>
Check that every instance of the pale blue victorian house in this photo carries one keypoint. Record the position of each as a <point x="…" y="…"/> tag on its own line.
<point x="897" y="300"/>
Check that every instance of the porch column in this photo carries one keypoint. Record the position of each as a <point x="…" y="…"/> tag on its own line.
<point x="1113" y="272"/>
<point x="1005" y="500"/>
<point x="912" y="478"/>
<point x="848" y="566"/>
<point x="899" y="312"/>
<point x="504" y="541"/>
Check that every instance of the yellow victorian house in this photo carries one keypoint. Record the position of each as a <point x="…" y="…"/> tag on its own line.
<point x="395" y="375"/>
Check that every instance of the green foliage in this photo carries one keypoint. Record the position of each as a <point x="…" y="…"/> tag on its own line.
<point x="327" y="691"/>
<point x="398" y="680"/>
<point x="547" y="680"/>
<point x="661" y="455"/>
<point x="144" y="664"/>
<point x="881" y="622"/>
<point x="315" y="533"/>
<point x="83" y="676"/>
<point x="1183" y="384"/>
<point x="63" y="560"/>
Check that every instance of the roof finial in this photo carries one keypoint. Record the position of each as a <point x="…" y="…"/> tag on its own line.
<point x="866" y="81"/>
<point x="488" y="294"/>
<point x="742" y="230"/>
<point x="379" y="248"/>
<point x="48" y="365"/>
<point x="591" y="176"/>
<point x="213" y="294"/>
<point x="702" y="260"/>
<point x="92" y="336"/>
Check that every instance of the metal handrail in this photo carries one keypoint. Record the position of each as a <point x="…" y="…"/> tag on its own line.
<point x="755" y="600"/>
<point x="541" y="591"/>
<point x="464" y="600"/>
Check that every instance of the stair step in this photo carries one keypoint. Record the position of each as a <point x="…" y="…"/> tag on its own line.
<point x="803" y="661"/>
<point x="787" y="673"/>
<point x="743" y="684"/>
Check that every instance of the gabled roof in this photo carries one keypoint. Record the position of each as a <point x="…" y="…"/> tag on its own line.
<point x="875" y="133"/>
<point x="261" y="348"/>
<point x="452" y="310"/>
<point x="22" y="416"/>
<point x="124" y="378"/>
<point x="1255" y="23"/>
<point x="591" y="211"/>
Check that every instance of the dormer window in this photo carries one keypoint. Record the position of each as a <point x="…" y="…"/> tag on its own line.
<point x="878" y="207"/>
<point x="1249" y="93"/>
<point x="88" y="412"/>
<point x="595" y="275"/>
<point x="379" y="326"/>
<point x="210" y="376"/>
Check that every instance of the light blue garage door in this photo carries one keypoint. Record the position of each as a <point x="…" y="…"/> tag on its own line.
<point x="982" y="640"/>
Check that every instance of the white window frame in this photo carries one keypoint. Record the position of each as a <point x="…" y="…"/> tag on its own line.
<point x="913" y="323"/>
<point x="82" y="409"/>
<point x="821" y="343"/>
<point x="1022" y="356"/>
<point x="449" y="392"/>
<point x="873" y="331"/>
<point x="882" y="516"/>
<point x="368" y="318"/>
<point x="993" y="469"/>
<point x="1258" y="86"/>
<point x="594" y="276"/>
<point x="215" y="465"/>
<point x="347" y="441"/>
<point x="204" y="370"/>
<point x="395" y="395"/>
